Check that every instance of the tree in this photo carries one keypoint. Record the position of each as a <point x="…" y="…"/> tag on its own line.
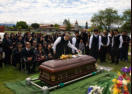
<point x="19" y="28"/>
<point x="67" y="24"/>
<point x="56" y="26"/>
<point x="127" y="21"/>
<point x="105" y="18"/>
<point x="21" y="25"/>
<point x="86" y="25"/>
<point x="35" y="25"/>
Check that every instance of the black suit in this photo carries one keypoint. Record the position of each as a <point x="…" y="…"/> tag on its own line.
<point x="17" y="57"/>
<point x="30" y="65"/>
<point x="7" y="43"/>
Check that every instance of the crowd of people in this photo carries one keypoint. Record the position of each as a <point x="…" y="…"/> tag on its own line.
<point x="26" y="51"/>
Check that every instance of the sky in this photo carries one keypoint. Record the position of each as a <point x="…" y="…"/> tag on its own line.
<point x="55" y="11"/>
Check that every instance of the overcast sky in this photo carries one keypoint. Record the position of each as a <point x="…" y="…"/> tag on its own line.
<point x="55" y="11"/>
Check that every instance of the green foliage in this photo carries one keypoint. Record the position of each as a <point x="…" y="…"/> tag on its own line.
<point x="56" y="26"/>
<point x="21" y="25"/>
<point x="68" y="24"/>
<point x="127" y="21"/>
<point x="105" y="18"/>
<point x="35" y="25"/>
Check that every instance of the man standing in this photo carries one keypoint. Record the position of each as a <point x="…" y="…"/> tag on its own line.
<point x="7" y="47"/>
<point x="125" y="46"/>
<point x="60" y="45"/>
<point x="104" y="45"/>
<point x="94" y="44"/>
<point x="84" y="36"/>
<point x="28" y="57"/>
<point x="116" y="45"/>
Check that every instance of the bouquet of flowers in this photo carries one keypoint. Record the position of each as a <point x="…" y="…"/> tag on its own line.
<point x="95" y="90"/>
<point x="122" y="82"/>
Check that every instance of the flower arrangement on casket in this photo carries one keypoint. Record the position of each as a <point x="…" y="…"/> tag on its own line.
<point x="122" y="84"/>
<point x="65" y="56"/>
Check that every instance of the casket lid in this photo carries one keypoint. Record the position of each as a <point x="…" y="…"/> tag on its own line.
<point x="67" y="63"/>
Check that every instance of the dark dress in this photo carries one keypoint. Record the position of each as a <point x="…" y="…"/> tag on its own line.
<point x="125" y="47"/>
<point x="116" y="50"/>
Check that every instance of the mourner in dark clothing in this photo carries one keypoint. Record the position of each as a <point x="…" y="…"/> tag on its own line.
<point x="29" y="58"/>
<point x="104" y="45"/>
<point x="17" y="56"/>
<point x="84" y="36"/>
<point x="50" y="54"/>
<point x="29" y="38"/>
<point x="1" y="53"/>
<point x="116" y="45"/>
<point x="109" y="50"/>
<point x="94" y="44"/>
<point x="7" y="47"/>
<point x="13" y="39"/>
<point x="20" y="40"/>
<point x="41" y="40"/>
<point x="87" y="48"/>
<point x="60" y="45"/>
<point x="82" y="46"/>
<point x="45" y="45"/>
<point x="40" y="55"/>
<point x="125" y="46"/>
<point x="34" y="44"/>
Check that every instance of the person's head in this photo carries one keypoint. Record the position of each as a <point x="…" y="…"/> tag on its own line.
<point x="67" y="36"/>
<point x="89" y="34"/>
<point x="45" y="44"/>
<point x="111" y="32"/>
<point x="20" y="38"/>
<point x="81" y="40"/>
<point x="116" y="32"/>
<point x="83" y="30"/>
<point x="39" y="46"/>
<point x="96" y="31"/>
<point x="34" y="43"/>
<point x="124" y="33"/>
<point x="77" y="33"/>
<point x="28" y="45"/>
<point x="105" y="32"/>
<point x="19" y="45"/>
<point x="6" y="35"/>
<point x="49" y="46"/>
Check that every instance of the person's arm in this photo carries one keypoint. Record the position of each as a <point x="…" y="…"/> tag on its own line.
<point x="100" y="43"/>
<point x="73" y="43"/>
<point x="108" y="42"/>
<point x="112" y="41"/>
<point x="55" y="43"/>
<point x="71" y="46"/>
<point x="121" y="42"/>
<point x="90" y="42"/>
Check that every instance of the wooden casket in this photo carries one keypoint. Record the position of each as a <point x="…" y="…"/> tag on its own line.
<point x="54" y="72"/>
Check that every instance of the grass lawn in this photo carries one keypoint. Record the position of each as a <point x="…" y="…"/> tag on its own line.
<point x="9" y="74"/>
